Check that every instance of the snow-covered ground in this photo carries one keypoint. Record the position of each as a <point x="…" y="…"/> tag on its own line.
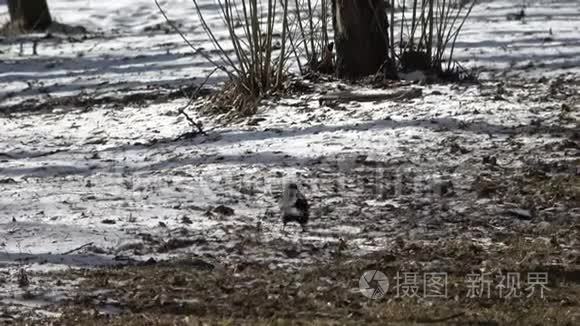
<point x="105" y="182"/>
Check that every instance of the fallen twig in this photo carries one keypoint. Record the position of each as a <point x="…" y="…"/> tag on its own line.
<point x="33" y="155"/>
<point x="442" y="319"/>
<point x="196" y="124"/>
<point x="346" y="97"/>
<point x="78" y="248"/>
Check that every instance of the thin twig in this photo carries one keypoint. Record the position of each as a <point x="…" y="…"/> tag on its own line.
<point x="221" y="52"/>
<point x="196" y="50"/>
<point x="193" y="96"/>
<point x="77" y="248"/>
<point x="442" y="319"/>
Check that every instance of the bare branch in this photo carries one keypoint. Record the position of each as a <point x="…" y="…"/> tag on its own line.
<point x="196" y="124"/>
<point x="196" y="50"/>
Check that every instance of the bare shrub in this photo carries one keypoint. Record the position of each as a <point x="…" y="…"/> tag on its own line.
<point x="309" y="24"/>
<point x="262" y="37"/>
<point x="257" y="56"/>
<point x="427" y="32"/>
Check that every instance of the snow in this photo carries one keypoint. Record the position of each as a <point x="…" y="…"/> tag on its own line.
<point x="114" y="175"/>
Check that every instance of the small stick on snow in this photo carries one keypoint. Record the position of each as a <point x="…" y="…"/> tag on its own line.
<point x="78" y="248"/>
<point x="193" y="96"/>
<point x="345" y="97"/>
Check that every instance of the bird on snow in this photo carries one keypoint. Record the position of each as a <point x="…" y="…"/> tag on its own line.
<point x="294" y="206"/>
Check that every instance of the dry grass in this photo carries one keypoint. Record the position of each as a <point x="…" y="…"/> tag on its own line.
<point x="234" y="101"/>
<point x="180" y="294"/>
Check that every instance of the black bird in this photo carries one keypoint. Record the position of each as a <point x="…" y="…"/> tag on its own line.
<point x="294" y="206"/>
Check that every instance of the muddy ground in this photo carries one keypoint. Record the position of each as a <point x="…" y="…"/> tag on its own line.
<point x="502" y="211"/>
<point x="115" y="210"/>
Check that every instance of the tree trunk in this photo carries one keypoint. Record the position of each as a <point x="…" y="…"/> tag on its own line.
<point x="30" y="15"/>
<point x="360" y="35"/>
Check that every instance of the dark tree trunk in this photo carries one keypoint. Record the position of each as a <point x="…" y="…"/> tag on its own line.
<point x="360" y="36"/>
<point x="30" y="15"/>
